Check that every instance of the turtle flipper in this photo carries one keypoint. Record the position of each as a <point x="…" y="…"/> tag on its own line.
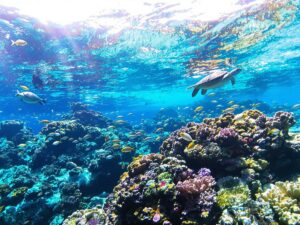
<point x="195" y="91"/>
<point x="203" y="91"/>
<point x="42" y="102"/>
<point x="232" y="80"/>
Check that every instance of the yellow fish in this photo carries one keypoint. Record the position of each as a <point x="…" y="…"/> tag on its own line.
<point x="199" y="108"/>
<point x="120" y="121"/>
<point x="230" y="102"/>
<point x="191" y="145"/>
<point x="274" y="131"/>
<point x="228" y="110"/>
<point x="116" y="146"/>
<point x="25" y="88"/>
<point x="158" y="130"/>
<point x="18" y="42"/>
<point x="127" y="149"/>
<point x="132" y="136"/>
<point x="211" y="94"/>
<point x="44" y="121"/>
<point x="110" y="127"/>
<point x="116" y="141"/>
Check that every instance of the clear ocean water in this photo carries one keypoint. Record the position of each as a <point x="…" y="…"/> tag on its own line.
<point x="129" y="64"/>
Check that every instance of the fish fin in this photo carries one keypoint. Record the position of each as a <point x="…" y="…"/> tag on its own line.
<point x="203" y="91"/>
<point x="232" y="81"/>
<point x="18" y="93"/>
<point x="195" y="91"/>
<point x="13" y="43"/>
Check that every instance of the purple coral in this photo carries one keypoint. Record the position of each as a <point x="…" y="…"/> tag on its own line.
<point x="156" y="217"/>
<point x="204" y="172"/>
<point x="282" y="121"/>
<point x="94" y="221"/>
<point x="226" y="137"/>
<point x="198" y="191"/>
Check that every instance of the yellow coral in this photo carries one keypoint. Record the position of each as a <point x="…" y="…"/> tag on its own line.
<point x="284" y="197"/>
<point x="257" y="165"/>
<point x="124" y="176"/>
<point x="233" y="196"/>
<point x="189" y="222"/>
<point x="19" y="191"/>
<point x="72" y="222"/>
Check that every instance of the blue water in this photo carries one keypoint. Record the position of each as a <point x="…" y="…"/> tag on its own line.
<point x="149" y="63"/>
<point x="134" y="65"/>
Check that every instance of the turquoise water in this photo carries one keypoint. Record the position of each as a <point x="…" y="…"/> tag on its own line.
<point x="148" y="63"/>
<point x="136" y="65"/>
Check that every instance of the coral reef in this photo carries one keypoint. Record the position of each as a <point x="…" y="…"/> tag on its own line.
<point x="93" y="216"/>
<point x="227" y="144"/>
<point x="15" y="131"/>
<point x="161" y="190"/>
<point x="225" y="170"/>
<point x="86" y="117"/>
<point x="284" y="198"/>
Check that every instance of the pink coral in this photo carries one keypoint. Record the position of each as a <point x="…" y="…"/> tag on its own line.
<point x="193" y="187"/>
<point x="198" y="191"/>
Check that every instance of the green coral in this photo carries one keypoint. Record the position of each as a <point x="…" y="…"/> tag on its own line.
<point x="236" y="195"/>
<point x="164" y="176"/>
<point x="284" y="197"/>
<point x="257" y="165"/>
<point x="189" y="222"/>
<point x="18" y="192"/>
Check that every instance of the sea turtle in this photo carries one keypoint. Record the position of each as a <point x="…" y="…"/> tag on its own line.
<point x="30" y="97"/>
<point x="214" y="80"/>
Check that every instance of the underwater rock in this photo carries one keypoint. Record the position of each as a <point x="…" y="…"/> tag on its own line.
<point x="87" y="117"/>
<point x="10" y="128"/>
<point x="91" y="118"/>
<point x="9" y="154"/>
<point x="62" y="137"/>
<point x="70" y="198"/>
<point x="14" y="131"/>
<point x="78" y="106"/>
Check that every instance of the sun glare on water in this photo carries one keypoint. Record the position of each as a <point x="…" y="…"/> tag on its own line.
<point x="66" y="12"/>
